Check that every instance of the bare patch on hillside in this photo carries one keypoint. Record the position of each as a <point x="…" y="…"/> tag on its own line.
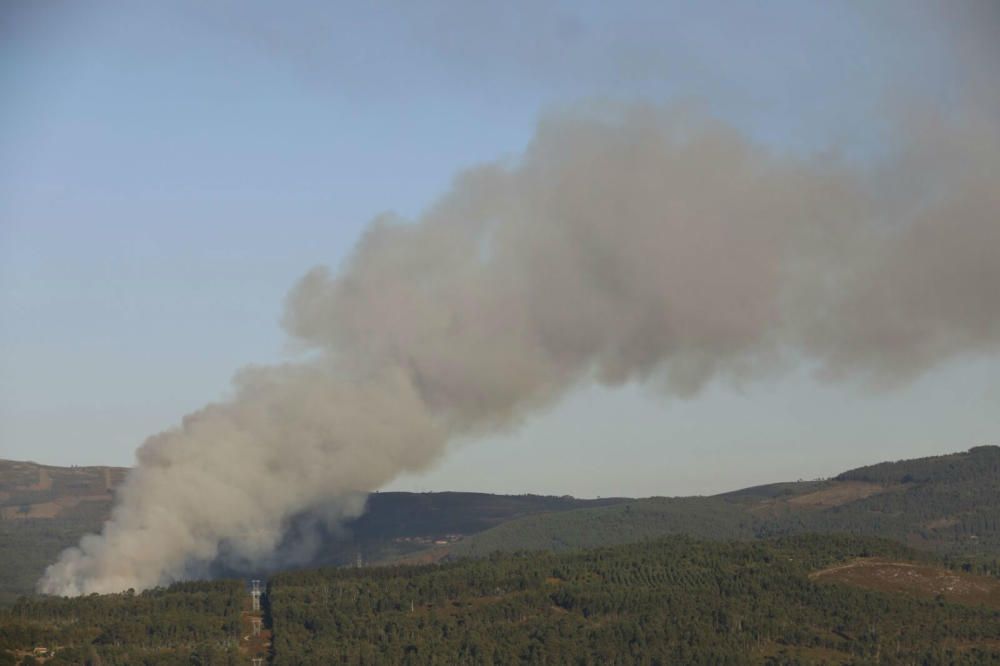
<point x="838" y="493"/>
<point x="919" y="580"/>
<point x="833" y="493"/>
<point x="942" y="523"/>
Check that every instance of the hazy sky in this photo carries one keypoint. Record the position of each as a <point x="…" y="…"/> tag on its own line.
<point x="169" y="170"/>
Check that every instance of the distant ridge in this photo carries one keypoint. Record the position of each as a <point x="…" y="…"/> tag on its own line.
<point x="949" y="504"/>
<point x="44" y="509"/>
<point x="977" y="462"/>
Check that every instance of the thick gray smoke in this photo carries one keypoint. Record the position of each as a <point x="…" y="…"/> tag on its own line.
<point x="625" y="245"/>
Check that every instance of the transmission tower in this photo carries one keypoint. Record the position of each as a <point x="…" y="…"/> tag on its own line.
<point x="255" y="595"/>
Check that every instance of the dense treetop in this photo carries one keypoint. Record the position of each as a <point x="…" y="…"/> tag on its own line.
<point x="674" y="601"/>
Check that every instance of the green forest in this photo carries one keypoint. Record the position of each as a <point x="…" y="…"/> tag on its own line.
<point x="946" y="504"/>
<point x="673" y="601"/>
<point x="728" y="579"/>
<point x="188" y="623"/>
<point x="668" y="601"/>
<point x="394" y="524"/>
<point x="28" y="546"/>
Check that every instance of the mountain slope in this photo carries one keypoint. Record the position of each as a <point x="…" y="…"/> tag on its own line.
<point x="797" y="600"/>
<point x="668" y="601"/>
<point x="44" y="509"/>
<point x="949" y="504"/>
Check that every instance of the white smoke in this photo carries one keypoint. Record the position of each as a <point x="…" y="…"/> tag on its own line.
<point x="632" y="244"/>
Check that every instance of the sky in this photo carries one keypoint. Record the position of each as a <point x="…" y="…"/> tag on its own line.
<point x="169" y="170"/>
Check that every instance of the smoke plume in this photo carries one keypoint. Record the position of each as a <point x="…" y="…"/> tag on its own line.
<point x="626" y="244"/>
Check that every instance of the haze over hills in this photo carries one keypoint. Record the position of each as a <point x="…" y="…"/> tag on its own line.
<point x="948" y="504"/>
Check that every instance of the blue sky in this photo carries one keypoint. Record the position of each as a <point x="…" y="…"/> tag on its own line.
<point x="168" y="170"/>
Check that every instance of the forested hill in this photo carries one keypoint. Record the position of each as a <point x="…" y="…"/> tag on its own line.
<point x="674" y="601"/>
<point x="396" y="523"/>
<point x="44" y="509"/>
<point x="978" y="465"/>
<point x="949" y="504"/>
<point x="796" y="600"/>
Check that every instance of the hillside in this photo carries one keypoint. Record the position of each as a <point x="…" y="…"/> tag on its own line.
<point x="669" y="601"/>
<point x="949" y="504"/>
<point x="44" y="509"/>
<point x="396" y="524"/>
<point x="29" y="490"/>
<point x="189" y="623"/>
<point x="917" y="579"/>
<point x="796" y="600"/>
